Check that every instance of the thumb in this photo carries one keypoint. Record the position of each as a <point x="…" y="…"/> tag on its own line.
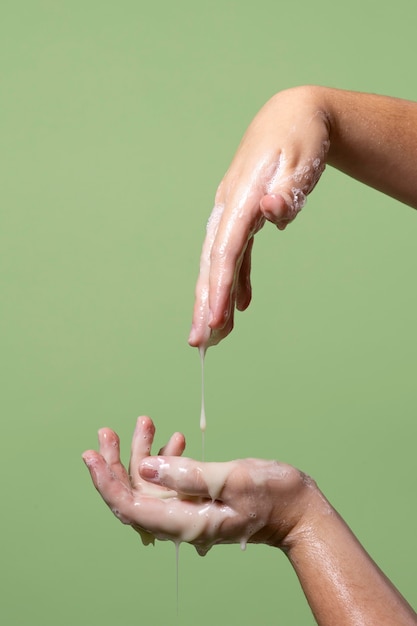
<point x="186" y="476"/>
<point x="282" y="207"/>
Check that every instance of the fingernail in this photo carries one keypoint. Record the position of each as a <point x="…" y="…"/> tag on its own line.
<point x="149" y="469"/>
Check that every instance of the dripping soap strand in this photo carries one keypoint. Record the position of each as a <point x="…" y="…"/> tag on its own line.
<point x="177" y="573"/>
<point x="202" y="351"/>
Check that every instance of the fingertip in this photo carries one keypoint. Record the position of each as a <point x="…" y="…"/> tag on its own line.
<point x="181" y="444"/>
<point x="179" y="439"/>
<point x="149" y="468"/>
<point x="218" y="318"/>
<point x="244" y="285"/>
<point x="243" y="302"/>
<point x="91" y="460"/>
<point x="244" y="293"/>
<point x="194" y="338"/>
<point x="144" y="422"/>
<point x="200" y="332"/>
<point x="174" y="447"/>
<point x="144" y="430"/>
<point x="108" y="436"/>
<point x="87" y="457"/>
<point x="272" y="206"/>
<point x="105" y="432"/>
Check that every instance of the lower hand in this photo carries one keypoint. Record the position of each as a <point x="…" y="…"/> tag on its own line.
<point x="180" y="499"/>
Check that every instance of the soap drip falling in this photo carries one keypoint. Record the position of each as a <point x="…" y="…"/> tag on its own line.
<point x="203" y="423"/>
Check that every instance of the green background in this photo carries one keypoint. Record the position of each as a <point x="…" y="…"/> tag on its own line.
<point x="117" y="122"/>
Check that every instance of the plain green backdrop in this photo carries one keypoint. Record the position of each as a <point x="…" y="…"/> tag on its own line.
<point x="117" y="122"/>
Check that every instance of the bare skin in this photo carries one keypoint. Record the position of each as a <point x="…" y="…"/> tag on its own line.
<point x="250" y="500"/>
<point x="277" y="165"/>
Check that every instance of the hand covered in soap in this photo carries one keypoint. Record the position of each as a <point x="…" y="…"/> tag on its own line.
<point x="278" y="163"/>
<point x="123" y="489"/>
<point x="249" y="500"/>
<point x="171" y="497"/>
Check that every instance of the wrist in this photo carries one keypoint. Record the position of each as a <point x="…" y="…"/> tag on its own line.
<point x="316" y="543"/>
<point x="308" y="515"/>
<point x="296" y="507"/>
<point x="311" y="100"/>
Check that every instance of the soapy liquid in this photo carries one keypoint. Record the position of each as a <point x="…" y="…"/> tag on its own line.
<point x="202" y="351"/>
<point x="203" y="422"/>
<point x="177" y="574"/>
<point x="216" y="482"/>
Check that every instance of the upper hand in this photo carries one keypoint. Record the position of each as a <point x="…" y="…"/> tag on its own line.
<point x="278" y="163"/>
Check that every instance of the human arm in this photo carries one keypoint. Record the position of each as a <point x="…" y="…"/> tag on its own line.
<point x="248" y="501"/>
<point x="341" y="582"/>
<point x="278" y="163"/>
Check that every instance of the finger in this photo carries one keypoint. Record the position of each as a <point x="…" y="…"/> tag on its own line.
<point x="186" y="476"/>
<point x="240" y="221"/>
<point x="174" y="447"/>
<point x="290" y="184"/>
<point x="244" y="287"/>
<point x="104" y="479"/>
<point x="161" y="518"/>
<point x="200" y="331"/>
<point x="118" y="497"/>
<point x="200" y="335"/>
<point x="109" y="446"/>
<point x="141" y="443"/>
<point x="226" y="254"/>
<point x="282" y="208"/>
<point x="235" y="218"/>
<point x="92" y="459"/>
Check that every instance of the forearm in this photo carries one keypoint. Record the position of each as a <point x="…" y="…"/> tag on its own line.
<point x="374" y="139"/>
<point x="341" y="582"/>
